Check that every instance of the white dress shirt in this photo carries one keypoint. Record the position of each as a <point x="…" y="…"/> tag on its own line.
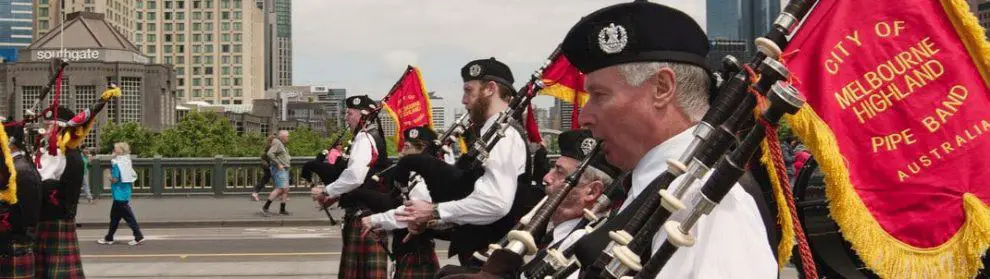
<point x="731" y="240"/>
<point x="386" y="220"/>
<point x="565" y="232"/>
<point x="495" y="190"/>
<point x="51" y="167"/>
<point x="357" y="167"/>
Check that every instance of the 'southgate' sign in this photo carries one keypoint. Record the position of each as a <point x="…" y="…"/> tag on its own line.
<point x="71" y="55"/>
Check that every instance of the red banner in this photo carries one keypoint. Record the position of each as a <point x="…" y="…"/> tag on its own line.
<point x="565" y="82"/>
<point x="409" y="104"/>
<point x="898" y="116"/>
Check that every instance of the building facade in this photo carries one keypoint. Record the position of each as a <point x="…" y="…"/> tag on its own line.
<point x="216" y="46"/>
<point x="438" y="111"/>
<point x="278" y="43"/>
<point x="97" y="54"/>
<point x="118" y="13"/>
<point x="983" y="14"/>
<point x="15" y="28"/>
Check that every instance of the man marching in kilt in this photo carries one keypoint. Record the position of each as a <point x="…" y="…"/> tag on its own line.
<point x="60" y="164"/>
<point x="415" y="257"/>
<point x="18" y="221"/>
<point x="363" y="256"/>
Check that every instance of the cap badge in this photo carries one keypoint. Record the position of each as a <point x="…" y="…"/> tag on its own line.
<point x="587" y="145"/>
<point x="612" y="38"/>
<point x="475" y="70"/>
<point x="413" y="134"/>
<point x="356" y="101"/>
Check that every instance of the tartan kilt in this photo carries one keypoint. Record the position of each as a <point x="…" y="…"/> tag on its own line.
<point x="17" y="267"/>
<point x="421" y="263"/>
<point x="362" y="257"/>
<point x="57" y="252"/>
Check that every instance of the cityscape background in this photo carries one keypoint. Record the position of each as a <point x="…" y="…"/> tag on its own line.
<point x="285" y="64"/>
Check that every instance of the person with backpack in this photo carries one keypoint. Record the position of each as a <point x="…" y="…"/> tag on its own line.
<point x="265" y="168"/>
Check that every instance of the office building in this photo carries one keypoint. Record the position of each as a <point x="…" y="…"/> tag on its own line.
<point x="118" y="13"/>
<point x="15" y="28"/>
<point x="438" y="111"/>
<point x="216" y="47"/>
<point x="983" y="15"/>
<point x="278" y="43"/>
<point x="97" y="54"/>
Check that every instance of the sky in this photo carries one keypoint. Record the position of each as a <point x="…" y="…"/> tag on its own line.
<point x="364" y="45"/>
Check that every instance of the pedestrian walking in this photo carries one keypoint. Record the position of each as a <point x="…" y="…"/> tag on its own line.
<point x="122" y="178"/>
<point x="265" y="168"/>
<point x="280" y="159"/>
<point x="87" y="155"/>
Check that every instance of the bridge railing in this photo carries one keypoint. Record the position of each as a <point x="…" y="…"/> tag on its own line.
<point x="160" y="176"/>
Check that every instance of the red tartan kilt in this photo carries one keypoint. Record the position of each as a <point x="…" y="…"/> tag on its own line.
<point x="420" y="264"/>
<point x="362" y="257"/>
<point x="57" y="253"/>
<point x="17" y="267"/>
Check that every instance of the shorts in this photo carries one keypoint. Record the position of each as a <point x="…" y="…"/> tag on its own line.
<point x="281" y="178"/>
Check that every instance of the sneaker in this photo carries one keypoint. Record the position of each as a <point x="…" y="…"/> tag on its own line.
<point x="284" y="213"/>
<point x="255" y="196"/>
<point x="265" y="212"/>
<point x="104" y="242"/>
<point x="136" y="242"/>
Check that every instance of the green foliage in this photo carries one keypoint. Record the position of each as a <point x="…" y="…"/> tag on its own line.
<point x="304" y="142"/>
<point x="139" y="138"/>
<point x="199" y="134"/>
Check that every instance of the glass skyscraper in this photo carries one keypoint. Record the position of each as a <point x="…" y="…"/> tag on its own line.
<point x="15" y="27"/>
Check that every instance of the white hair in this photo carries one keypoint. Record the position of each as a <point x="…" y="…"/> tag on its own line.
<point x="692" y="83"/>
<point x="592" y="174"/>
<point x="283" y="133"/>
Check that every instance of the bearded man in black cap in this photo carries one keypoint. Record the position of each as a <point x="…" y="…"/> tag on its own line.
<point x="648" y="86"/>
<point x="498" y="198"/>
<point x="19" y="221"/>
<point x="363" y="256"/>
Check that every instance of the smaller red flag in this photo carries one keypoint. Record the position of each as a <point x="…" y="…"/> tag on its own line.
<point x="409" y="104"/>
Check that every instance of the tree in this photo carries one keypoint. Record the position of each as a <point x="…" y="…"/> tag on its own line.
<point x="305" y="142"/>
<point x="248" y="145"/>
<point x="198" y="134"/>
<point x="141" y="141"/>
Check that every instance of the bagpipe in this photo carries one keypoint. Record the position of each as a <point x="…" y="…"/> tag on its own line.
<point x="440" y="147"/>
<point x="631" y="232"/>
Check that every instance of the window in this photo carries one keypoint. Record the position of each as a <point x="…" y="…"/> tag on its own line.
<point x="168" y="38"/>
<point x="224" y="102"/>
<point x="137" y="38"/>
<point x="225" y="48"/>
<point x="151" y="38"/>
<point x="209" y="15"/>
<point x="181" y="81"/>
<point x="225" y="4"/>
<point x="225" y="26"/>
<point x="237" y="26"/>
<point x="180" y="15"/>
<point x="138" y="5"/>
<point x="225" y="59"/>
<point x="237" y="15"/>
<point x="197" y="26"/>
<point x="237" y="92"/>
<point x="209" y="59"/>
<point x="197" y="49"/>
<point x="208" y="92"/>
<point x="180" y="27"/>
<point x="196" y="82"/>
<point x="197" y="59"/>
<point x="209" y="37"/>
<point x="209" y="49"/>
<point x="180" y="49"/>
<point x="180" y="4"/>
<point x="208" y="81"/>
<point x="237" y="38"/>
<point x="237" y="4"/>
<point x="225" y="71"/>
<point x="168" y="59"/>
<point x="167" y="49"/>
<point x="237" y="81"/>
<point x="180" y="59"/>
<point x="197" y="15"/>
<point x="167" y="27"/>
<point x="225" y="37"/>
<point x="151" y="49"/>
<point x="140" y="27"/>
<point x="209" y="3"/>
<point x="179" y="93"/>
<point x="167" y="15"/>
<point x="151" y="15"/>
<point x="209" y="71"/>
<point x="196" y="71"/>
<point x="196" y="37"/>
<point x="151" y="27"/>
<point x="225" y="15"/>
<point x="197" y="92"/>
<point x="225" y="93"/>
<point x="151" y="4"/>
<point x="237" y="60"/>
<point x="237" y="48"/>
<point x="237" y="70"/>
<point x="43" y="24"/>
<point x="238" y="102"/>
<point x="225" y="82"/>
<point x="208" y="26"/>
<point x="43" y="12"/>
<point x="168" y="4"/>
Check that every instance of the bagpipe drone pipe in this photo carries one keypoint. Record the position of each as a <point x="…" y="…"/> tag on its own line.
<point x="730" y="111"/>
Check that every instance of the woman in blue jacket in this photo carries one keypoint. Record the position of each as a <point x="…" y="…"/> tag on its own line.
<point x="122" y="177"/>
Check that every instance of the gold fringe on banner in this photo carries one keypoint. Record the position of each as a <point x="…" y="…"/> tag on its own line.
<point x="10" y="195"/>
<point x="786" y="245"/>
<point x="959" y="257"/>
